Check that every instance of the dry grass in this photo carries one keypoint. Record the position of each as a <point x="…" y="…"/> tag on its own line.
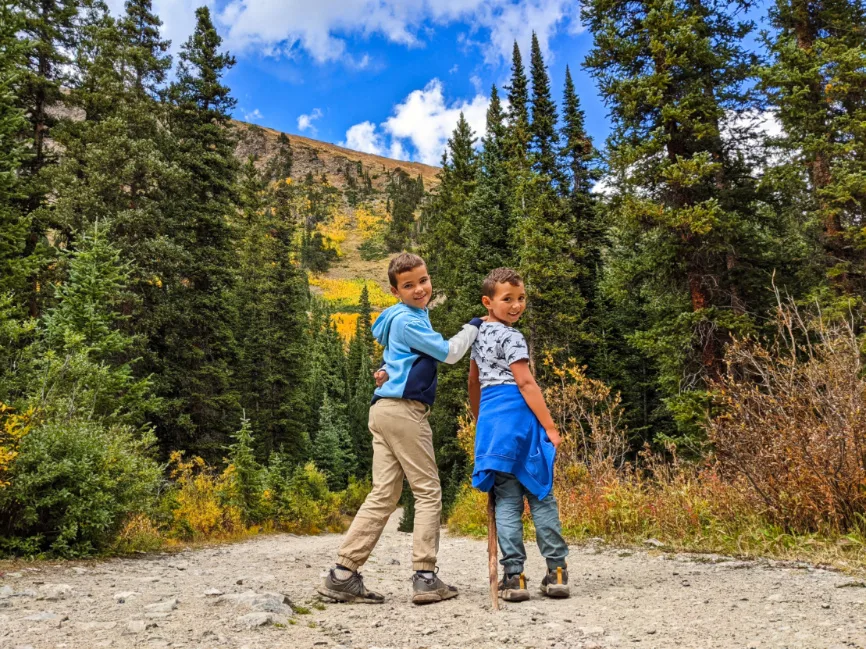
<point x="793" y="425"/>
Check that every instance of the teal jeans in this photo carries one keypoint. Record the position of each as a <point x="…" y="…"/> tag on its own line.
<point x="509" y="495"/>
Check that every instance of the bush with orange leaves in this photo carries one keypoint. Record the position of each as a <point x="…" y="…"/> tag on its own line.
<point x="793" y="421"/>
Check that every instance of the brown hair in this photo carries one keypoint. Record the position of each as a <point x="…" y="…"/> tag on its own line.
<point x="402" y="263"/>
<point x="499" y="276"/>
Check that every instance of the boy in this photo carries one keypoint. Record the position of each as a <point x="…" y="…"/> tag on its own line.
<point x="515" y="439"/>
<point x="402" y="439"/>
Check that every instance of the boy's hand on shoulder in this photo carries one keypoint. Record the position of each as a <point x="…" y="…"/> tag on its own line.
<point x="485" y="318"/>
<point x="554" y="437"/>
<point x="381" y="377"/>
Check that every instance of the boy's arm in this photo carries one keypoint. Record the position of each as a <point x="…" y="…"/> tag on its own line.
<point x="434" y="344"/>
<point x="534" y="399"/>
<point x="474" y="389"/>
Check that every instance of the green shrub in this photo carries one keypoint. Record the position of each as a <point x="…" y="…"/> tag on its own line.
<point x="73" y="485"/>
<point x="355" y="495"/>
<point x="299" y="499"/>
<point x="244" y="476"/>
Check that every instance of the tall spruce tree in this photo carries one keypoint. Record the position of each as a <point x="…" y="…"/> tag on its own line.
<point x="489" y="227"/>
<point x="550" y="259"/>
<point x="327" y="362"/>
<point x="48" y="30"/>
<point x="196" y="367"/>
<point x="13" y="221"/>
<point x="579" y="160"/>
<point x="116" y="169"/>
<point x="518" y="135"/>
<point x="816" y="81"/>
<point x="271" y="299"/>
<point x="359" y="374"/>
<point x="446" y="214"/>
<point x="693" y="238"/>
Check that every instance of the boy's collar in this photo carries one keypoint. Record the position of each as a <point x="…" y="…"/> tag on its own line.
<point x="414" y="308"/>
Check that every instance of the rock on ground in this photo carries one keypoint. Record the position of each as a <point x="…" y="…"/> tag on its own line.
<point x="261" y="593"/>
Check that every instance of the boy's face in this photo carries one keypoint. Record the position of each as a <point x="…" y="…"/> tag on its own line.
<point x="414" y="287"/>
<point x="507" y="304"/>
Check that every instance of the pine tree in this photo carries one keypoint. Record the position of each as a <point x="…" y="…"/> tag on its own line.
<point x="446" y="214"/>
<point x="116" y="171"/>
<point x="332" y="448"/>
<point x="489" y="228"/>
<point x="327" y="362"/>
<point x="358" y="413"/>
<point x="545" y="139"/>
<point x="247" y="475"/>
<point x="13" y="222"/>
<point x="83" y="360"/>
<point x="549" y="257"/>
<point x="518" y="135"/>
<point x="359" y="372"/>
<point x="196" y="368"/>
<point x="48" y="32"/>
<point x="579" y="159"/>
<point x="403" y="200"/>
<point x="271" y="299"/>
<point x="816" y="79"/>
<point x="693" y="237"/>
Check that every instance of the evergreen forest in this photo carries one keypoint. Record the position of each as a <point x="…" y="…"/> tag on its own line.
<point x="175" y="361"/>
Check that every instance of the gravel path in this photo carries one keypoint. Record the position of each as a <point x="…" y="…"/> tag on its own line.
<point x="261" y="593"/>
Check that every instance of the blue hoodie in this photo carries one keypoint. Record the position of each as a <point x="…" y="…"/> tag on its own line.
<point x="413" y="351"/>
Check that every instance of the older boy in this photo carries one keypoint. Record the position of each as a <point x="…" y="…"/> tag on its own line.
<point x="515" y="439"/>
<point x="402" y="438"/>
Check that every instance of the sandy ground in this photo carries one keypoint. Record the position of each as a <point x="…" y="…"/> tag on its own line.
<point x="261" y="593"/>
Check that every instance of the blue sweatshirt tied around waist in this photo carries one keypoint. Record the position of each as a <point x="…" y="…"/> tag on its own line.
<point x="510" y="439"/>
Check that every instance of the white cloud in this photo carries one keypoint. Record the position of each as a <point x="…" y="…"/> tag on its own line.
<point x="422" y="121"/>
<point x="305" y="122"/>
<point x="275" y="27"/>
<point x="397" y="152"/>
<point x="363" y="137"/>
<point x="427" y="122"/>
<point x="254" y="116"/>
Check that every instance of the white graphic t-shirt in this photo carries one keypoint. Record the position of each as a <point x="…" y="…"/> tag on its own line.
<point x="495" y="349"/>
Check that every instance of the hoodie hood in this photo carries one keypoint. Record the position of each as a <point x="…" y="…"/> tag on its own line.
<point x="382" y="326"/>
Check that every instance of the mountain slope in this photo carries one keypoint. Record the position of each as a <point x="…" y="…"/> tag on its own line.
<point x="342" y="174"/>
<point x="336" y="162"/>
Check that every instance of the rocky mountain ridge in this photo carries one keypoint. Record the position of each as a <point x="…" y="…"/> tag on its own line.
<point x="337" y="164"/>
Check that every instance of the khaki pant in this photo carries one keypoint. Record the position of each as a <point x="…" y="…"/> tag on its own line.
<point x="402" y="445"/>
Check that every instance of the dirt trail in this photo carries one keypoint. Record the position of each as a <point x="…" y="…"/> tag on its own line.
<point x="261" y="593"/>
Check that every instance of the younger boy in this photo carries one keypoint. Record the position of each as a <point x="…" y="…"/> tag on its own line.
<point x="402" y="439"/>
<point x="515" y="439"/>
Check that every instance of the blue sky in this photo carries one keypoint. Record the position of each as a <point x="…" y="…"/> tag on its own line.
<point x="384" y="76"/>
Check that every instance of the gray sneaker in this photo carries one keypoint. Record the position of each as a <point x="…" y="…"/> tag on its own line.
<point x="513" y="588"/>
<point x="555" y="583"/>
<point x="427" y="591"/>
<point x="349" y="590"/>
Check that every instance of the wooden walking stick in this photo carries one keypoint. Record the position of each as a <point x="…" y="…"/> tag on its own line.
<point x="492" y="550"/>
